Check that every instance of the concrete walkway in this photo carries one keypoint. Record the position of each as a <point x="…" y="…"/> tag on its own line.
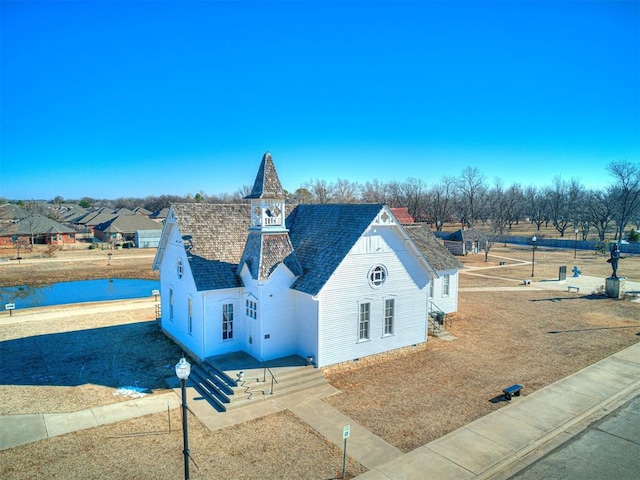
<point x="20" y="429"/>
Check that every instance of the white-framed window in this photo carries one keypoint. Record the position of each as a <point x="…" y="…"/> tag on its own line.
<point x="251" y="308"/>
<point x="179" y="268"/>
<point x="171" y="304"/>
<point x="190" y="314"/>
<point x="389" y="315"/>
<point x="377" y="276"/>
<point x="227" y="321"/>
<point x="432" y="283"/>
<point x="364" y="321"/>
<point x="446" y="285"/>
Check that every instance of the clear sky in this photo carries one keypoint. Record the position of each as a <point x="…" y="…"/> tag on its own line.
<point x="112" y="99"/>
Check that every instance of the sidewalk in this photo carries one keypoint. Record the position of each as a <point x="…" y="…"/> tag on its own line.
<point x="503" y="442"/>
<point x="20" y="429"/>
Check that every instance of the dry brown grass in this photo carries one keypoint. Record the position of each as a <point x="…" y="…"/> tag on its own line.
<point x="503" y="337"/>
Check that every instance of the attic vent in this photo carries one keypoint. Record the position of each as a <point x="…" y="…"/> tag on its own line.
<point x="377" y="276"/>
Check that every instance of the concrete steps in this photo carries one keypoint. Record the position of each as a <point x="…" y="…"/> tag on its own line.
<point x="225" y="393"/>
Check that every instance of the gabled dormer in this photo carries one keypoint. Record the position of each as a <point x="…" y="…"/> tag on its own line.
<point x="267" y="199"/>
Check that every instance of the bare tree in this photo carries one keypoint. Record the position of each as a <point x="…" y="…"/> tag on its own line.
<point x="440" y="202"/>
<point x="471" y="187"/>
<point x="537" y="206"/>
<point x="374" y="192"/>
<point x="345" y="191"/>
<point x="413" y="192"/>
<point x="626" y="192"/>
<point x="321" y="190"/>
<point x="559" y="205"/>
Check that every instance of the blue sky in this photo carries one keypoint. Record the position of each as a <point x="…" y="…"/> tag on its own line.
<point x="116" y="98"/>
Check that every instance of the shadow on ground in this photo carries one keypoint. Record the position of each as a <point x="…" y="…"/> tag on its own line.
<point x="137" y="353"/>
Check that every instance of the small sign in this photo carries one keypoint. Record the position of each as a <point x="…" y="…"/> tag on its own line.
<point x="10" y="306"/>
<point x="346" y="431"/>
<point x="155" y="292"/>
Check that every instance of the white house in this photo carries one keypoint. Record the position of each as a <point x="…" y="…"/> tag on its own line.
<point x="332" y="282"/>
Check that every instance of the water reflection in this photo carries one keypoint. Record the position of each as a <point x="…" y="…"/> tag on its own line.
<point x="25" y="296"/>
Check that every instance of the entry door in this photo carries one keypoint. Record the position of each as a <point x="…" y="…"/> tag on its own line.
<point x="250" y="336"/>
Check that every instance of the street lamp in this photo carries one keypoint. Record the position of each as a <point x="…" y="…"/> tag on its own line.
<point x="533" y="253"/>
<point x="575" y="245"/>
<point x="183" y="369"/>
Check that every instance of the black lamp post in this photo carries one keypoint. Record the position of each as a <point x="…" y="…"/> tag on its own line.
<point x="183" y="369"/>
<point x="533" y="254"/>
<point x="575" y="245"/>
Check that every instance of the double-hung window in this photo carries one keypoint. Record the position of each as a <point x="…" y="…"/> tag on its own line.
<point x="364" y="321"/>
<point x="389" y="314"/>
<point x="190" y="314"/>
<point x="446" y="285"/>
<point x="227" y="321"/>
<point x="251" y="309"/>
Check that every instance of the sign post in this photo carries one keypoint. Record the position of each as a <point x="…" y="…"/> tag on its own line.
<point x="346" y="431"/>
<point x="11" y="307"/>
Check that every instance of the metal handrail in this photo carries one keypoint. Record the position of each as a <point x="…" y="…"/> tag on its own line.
<point x="273" y="377"/>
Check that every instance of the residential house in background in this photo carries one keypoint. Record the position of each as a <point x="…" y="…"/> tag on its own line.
<point x="333" y="283"/>
<point x="127" y="230"/>
<point x="35" y="229"/>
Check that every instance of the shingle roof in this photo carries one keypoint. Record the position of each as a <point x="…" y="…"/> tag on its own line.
<point x="263" y="253"/>
<point x="127" y="224"/>
<point x="436" y="254"/>
<point x="322" y="235"/>
<point x="11" y="212"/>
<point x="267" y="184"/>
<point x="214" y="236"/>
<point x="34" y="224"/>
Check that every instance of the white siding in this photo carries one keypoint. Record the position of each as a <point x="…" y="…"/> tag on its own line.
<point x="214" y="344"/>
<point x="307" y="312"/>
<point x="338" y="336"/>
<point x="446" y="303"/>
<point x="183" y="289"/>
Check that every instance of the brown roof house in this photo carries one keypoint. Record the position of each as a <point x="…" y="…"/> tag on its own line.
<point x="36" y="229"/>
<point x="330" y="283"/>
<point x="127" y="230"/>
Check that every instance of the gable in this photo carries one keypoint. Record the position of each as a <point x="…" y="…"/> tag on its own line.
<point x="322" y="236"/>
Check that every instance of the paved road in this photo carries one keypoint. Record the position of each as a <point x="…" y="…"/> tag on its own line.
<point x="610" y="448"/>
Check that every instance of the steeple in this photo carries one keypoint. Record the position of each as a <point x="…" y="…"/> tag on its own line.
<point x="267" y="184"/>
<point x="267" y="199"/>
<point x="268" y="243"/>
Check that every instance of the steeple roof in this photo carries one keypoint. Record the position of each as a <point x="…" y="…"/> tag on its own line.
<point x="267" y="184"/>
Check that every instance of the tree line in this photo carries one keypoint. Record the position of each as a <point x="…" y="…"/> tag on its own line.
<point x="469" y="199"/>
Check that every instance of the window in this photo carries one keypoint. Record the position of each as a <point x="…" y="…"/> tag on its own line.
<point x="364" y="320"/>
<point x="171" y="304"/>
<point x="377" y="276"/>
<point x="431" y="285"/>
<point x="389" y="309"/>
<point x="446" y="285"/>
<point x="251" y="309"/>
<point x="190" y="314"/>
<point x="227" y="321"/>
<point x="179" y="268"/>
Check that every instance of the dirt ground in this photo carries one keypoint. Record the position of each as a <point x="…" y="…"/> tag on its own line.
<point x="529" y="337"/>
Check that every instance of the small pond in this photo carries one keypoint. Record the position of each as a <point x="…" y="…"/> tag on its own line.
<point x="26" y="296"/>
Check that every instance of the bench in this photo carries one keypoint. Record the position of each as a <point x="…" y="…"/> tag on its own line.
<point x="512" y="391"/>
<point x="569" y="287"/>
